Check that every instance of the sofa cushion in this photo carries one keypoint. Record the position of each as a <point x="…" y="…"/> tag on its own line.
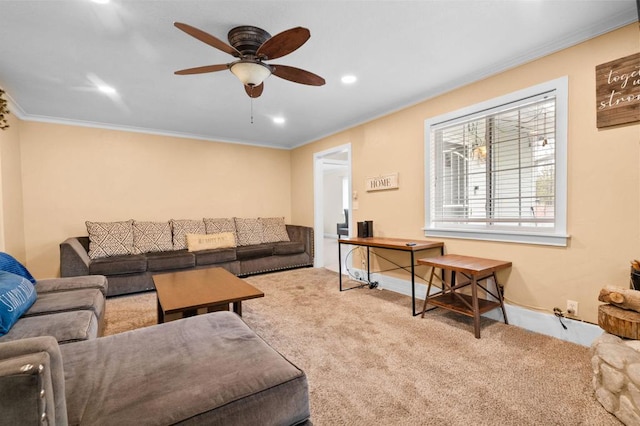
<point x="89" y="299"/>
<point x="118" y="265"/>
<point x="17" y="294"/>
<point x="9" y="264"/>
<point x="273" y="229"/>
<point x="166" y="260"/>
<point x="149" y="237"/>
<point x="218" y="225"/>
<point x="248" y="231"/>
<point x="196" y="242"/>
<point x="257" y="250"/>
<point x="289" y="247"/>
<point x="51" y="285"/>
<point x="182" y="227"/>
<point x="65" y="327"/>
<point x="211" y="257"/>
<point x="110" y="238"/>
<point x="222" y="373"/>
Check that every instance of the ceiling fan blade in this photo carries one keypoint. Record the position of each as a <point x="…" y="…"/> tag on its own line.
<point x="283" y="43"/>
<point x="297" y="75"/>
<point x="202" y="70"/>
<point x="254" y="91"/>
<point x="208" y="39"/>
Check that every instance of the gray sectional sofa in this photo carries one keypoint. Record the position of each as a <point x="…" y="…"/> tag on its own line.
<point x="253" y="252"/>
<point x="204" y="370"/>
<point x="212" y="369"/>
<point x="69" y="309"/>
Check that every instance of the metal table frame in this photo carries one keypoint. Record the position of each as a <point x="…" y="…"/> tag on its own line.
<point x="397" y="244"/>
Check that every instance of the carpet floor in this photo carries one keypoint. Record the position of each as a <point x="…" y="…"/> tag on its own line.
<point x="369" y="361"/>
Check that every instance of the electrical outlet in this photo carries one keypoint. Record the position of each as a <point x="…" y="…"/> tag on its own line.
<point x="572" y="308"/>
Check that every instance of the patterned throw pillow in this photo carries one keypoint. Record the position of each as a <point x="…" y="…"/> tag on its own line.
<point x="248" y="231"/>
<point x="273" y="230"/>
<point x="217" y="226"/>
<point x="182" y="227"/>
<point x="110" y="238"/>
<point x="149" y="237"/>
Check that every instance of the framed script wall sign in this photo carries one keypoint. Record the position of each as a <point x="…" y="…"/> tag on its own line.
<point x="618" y="91"/>
<point x="380" y="183"/>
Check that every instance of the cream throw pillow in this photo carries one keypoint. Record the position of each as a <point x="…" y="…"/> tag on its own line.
<point x="197" y="242"/>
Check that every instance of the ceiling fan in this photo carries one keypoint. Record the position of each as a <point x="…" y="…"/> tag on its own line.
<point x="252" y="46"/>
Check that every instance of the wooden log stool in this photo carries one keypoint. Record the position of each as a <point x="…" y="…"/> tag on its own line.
<point x="620" y="316"/>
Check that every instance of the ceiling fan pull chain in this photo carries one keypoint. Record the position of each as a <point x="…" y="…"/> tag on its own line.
<point x="251" y="99"/>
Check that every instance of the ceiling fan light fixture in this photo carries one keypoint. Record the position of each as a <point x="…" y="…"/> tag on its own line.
<point x="250" y="73"/>
<point x="349" y="79"/>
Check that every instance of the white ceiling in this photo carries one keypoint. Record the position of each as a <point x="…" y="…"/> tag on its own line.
<point x="52" y="54"/>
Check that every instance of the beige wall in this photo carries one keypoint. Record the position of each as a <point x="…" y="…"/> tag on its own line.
<point x="603" y="181"/>
<point x="54" y="177"/>
<point x="72" y="174"/>
<point x="11" y="213"/>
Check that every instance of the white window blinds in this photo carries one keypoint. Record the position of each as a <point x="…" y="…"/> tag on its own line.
<point x="497" y="170"/>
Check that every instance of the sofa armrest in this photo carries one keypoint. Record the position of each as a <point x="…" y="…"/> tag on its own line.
<point x="53" y="285"/>
<point x="302" y="234"/>
<point x="74" y="259"/>
<point x="32" y="382"/>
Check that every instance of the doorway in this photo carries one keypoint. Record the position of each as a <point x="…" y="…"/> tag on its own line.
<point x="332" y="202"/>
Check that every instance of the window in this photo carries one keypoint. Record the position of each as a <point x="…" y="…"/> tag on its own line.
<point x="497" y="170"/>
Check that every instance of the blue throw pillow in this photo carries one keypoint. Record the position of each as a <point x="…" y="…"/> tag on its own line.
<point x="17" y="294"/>
<point x="10" y="264"/>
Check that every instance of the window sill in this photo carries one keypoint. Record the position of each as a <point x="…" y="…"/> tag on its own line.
<point x="559" y="240"/>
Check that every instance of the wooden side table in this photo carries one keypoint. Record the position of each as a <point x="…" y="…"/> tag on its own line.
<point x="476" y="269"/>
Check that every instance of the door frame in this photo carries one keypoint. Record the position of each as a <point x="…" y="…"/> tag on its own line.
<point x="319" y="160"/>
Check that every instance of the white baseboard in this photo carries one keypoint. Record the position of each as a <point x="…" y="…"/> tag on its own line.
<point x="581" y="333"/>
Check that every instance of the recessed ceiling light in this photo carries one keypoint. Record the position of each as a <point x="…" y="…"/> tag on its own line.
<point x="349" y="79"/>
<point x="278" y="120"/>
<point x="107" y="90"/>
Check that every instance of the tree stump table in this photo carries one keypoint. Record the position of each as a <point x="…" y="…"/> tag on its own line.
<point x="618" y="321"/>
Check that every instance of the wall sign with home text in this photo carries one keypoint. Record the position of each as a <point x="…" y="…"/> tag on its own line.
<point x="618" y="91"/>
<point x="380" y="183"/>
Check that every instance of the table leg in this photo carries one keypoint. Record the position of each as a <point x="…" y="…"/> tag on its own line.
<point x="339" y="265"/>
<point x="500" y="298"/>
<point x="413" y="286"/>
<point x="426" y="298"/>
<point x="476" y="308"/>
<point x="237" y="307"/>
<point x="368" y="267"/>
<point x="160" y="313"/>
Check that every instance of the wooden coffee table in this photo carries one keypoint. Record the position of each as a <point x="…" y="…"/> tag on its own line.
<point x="211" y="289"/>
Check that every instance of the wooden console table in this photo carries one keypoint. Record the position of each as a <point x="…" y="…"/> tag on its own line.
<point x="476" y="269"/>
<point x="410" y="246"/>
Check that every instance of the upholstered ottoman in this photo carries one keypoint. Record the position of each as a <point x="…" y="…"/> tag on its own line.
<point x="208" y="369"/>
